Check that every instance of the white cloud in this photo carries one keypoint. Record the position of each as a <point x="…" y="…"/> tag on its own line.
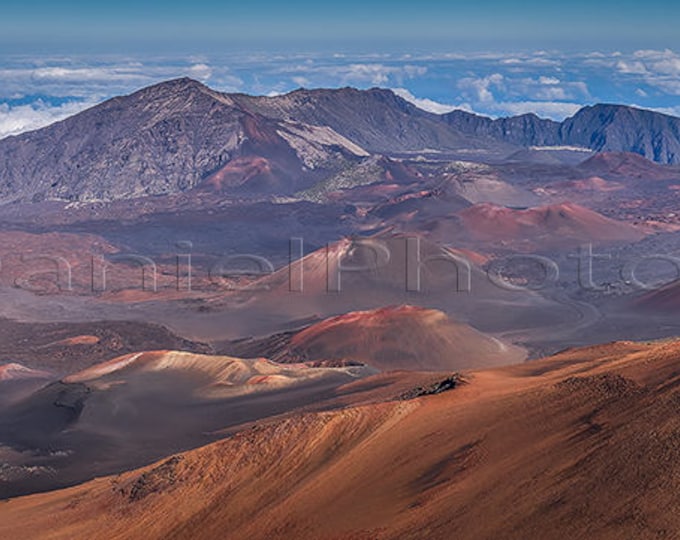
<point x="501" y="95"/>
<point x="21" y="118"/>
<point x="531" y="61"/>
<point x="58" y="73"/>
<point x="631" y="67"/>
<point x="127" y="72"/>
<point x="557" y="110"/>
<point x="301" y="81"/>
<point x="378" y="74"/>
<point x="367" y="73"/>
<point x="551" y="94"/>
<point x="201" y="72"/>
<point x="546" y="88"/>
<point x="552" y="84"/>
<point x="64" y="77"/>
<point x="428" y="105"/>
<point x="660" y="69"/>
<point x="481" y="88"/>
<point x="671" y="111"/>
<point x="364" y="73"/>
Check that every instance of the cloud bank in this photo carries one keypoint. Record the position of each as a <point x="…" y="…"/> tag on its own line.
<point x="425" y="104"/>
<point x="22" y="118"/>
<point x="37" y="91"/>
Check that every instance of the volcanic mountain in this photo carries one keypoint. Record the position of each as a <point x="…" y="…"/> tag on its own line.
<point x="287" y="401"/>
<point x="561" y="448"/>
<point x="375" y="119"/>
<point x="360" y="274"/>
<point x="546" y="226"/>
<point x="404" y="337"/>
<point x="662" y="299"/>
<point x="178" y="135"/>
<point x="166" y="139"/>
<point x="626" y="165"/>
<point x="602" y="127"/>
<point x="525" y="130"/>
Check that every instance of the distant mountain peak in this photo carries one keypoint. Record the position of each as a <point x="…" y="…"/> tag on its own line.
<point x="178" y="84"/>
<point x="603" y="127"/>
<point x="171" y="136"/>
<point x="618" y="107"/>
<point x="174" y="88"/>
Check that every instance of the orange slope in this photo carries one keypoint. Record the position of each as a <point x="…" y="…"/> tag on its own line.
<point x="398" y="337"/>
<point x="562" y="225"/>
<point x="581" y="445"/>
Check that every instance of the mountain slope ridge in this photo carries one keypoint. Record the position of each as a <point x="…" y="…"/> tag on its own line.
<point x="170" y="137"/>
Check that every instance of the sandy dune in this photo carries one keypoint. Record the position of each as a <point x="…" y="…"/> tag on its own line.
<point x="559" y="448"/>
<point x="222" y="375"/>
<point x="138" y="407"/>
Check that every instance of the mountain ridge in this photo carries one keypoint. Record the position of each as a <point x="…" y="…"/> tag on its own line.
<point x="170" y="137"/>
<point x="603" y="127"/>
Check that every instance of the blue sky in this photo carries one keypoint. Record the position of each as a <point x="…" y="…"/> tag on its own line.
<point x="351" y="24"/>
<point x="495" y="58"/>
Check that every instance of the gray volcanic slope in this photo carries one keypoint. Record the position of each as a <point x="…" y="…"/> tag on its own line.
<point x="376" y="119"/>
<point x="169" y="137"/>
<point x="179" y="135"/>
